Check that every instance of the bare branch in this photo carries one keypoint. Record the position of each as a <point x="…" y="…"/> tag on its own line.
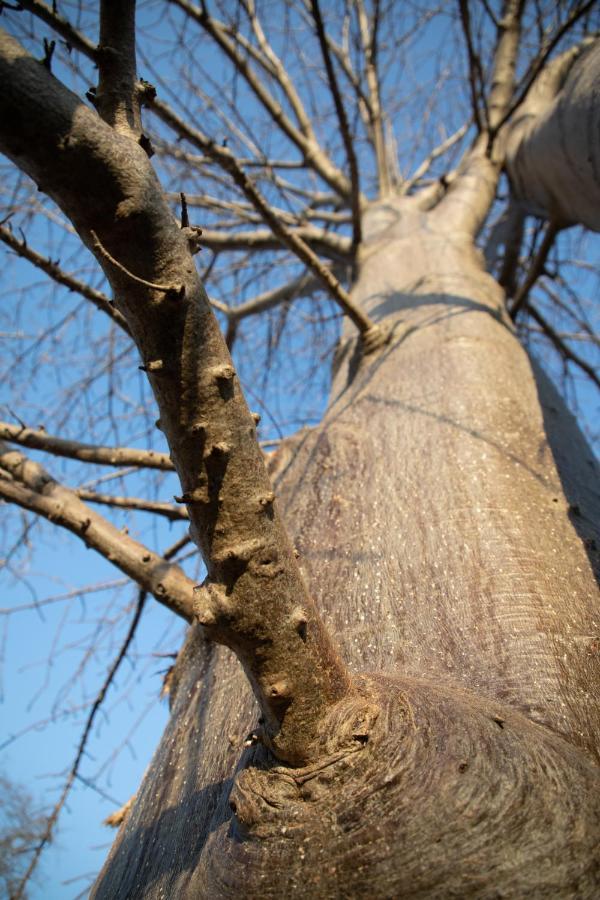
<point x="472" y="191"/>
<point x="562" y="347"/>
<point x="118" y="97"/>
<point x="62" y="26"/>
<point x="209" y="428"/>
<point x="438" y="151"/>
<point x="515" y="221"/>
<point x="536" y="268"/>
<point x="344" y="126"/>
<point x="39" y="439"/>
<point x="538" y="64"/>
<point x="333" y="246"/>
<point x="370" y="53"/>
<point x="372" y="334"/>
<point x="302" y="137"/>
<point x="51" y="268"/>
<point x="168" y="510"/>
<point x="300" y="286"/>
<point x="32" y="488"/>
<point x="476" y="80"/>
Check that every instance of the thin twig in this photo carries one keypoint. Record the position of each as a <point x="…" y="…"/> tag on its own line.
<point x="562" y="347"/>
<point x="168" y="510"/>
<point x="344" y="125"/>
<point x="164" y="288"/>
<point x="536" y="268"/>
<point x="51" y="268"/>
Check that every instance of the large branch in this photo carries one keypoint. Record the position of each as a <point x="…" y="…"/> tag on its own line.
<point x="118" y="97"/>
<point x="472" y="192"/>
<point x="368" y="38"/>
<point x="39" y="439"/>
<point x="255" y="595"/>
<point x="553" y="152"/>
<point x="29" y="486"/>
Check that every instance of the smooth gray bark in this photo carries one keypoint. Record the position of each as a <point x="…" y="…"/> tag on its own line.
<point x="553" y="151"/>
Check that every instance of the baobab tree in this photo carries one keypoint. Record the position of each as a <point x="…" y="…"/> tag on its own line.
<point x="389" y="686"/>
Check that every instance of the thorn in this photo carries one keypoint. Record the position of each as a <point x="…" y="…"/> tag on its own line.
<point x="146" y="557"/>
<point x="177" y="292"/>
<point x="223" y="373"/>
<point x="155" y="365"/>
<point x="252" y="739"/>
<point x="146" y="145"/>
<point x="256" y="417"/>
<point x="91" y="96"/>
<point x="158" y="424"/>
<point x="222" y="448"/>
<point x="242" y="552"/>
<point x="49" y="47"/>
<point x="191" y="497"/>
<point x="267" y="500"/>
<point x="300" y="622"/>
<point x="185" y="219"/>
<point x="147" y="91"/>
<point x="279" y="689"/>
<point x="193" y="233"/>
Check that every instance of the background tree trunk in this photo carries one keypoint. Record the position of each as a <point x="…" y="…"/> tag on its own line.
<point x="439" y="542"/>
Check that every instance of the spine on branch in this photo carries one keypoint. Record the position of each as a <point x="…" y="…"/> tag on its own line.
<point x="103" y="181"/>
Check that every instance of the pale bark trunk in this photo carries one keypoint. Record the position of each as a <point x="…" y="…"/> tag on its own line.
<point x="553" y="151"/>
<point x="443" y="552"/>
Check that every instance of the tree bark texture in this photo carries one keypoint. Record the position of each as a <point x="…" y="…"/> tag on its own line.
<point x="445" y="555"/>
<point x="553" y="155"/>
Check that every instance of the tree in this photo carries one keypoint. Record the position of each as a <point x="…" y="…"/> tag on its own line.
<point x="424" y="654"/>
<point x="21" y="827"/>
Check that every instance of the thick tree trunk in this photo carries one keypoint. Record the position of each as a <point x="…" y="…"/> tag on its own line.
<point x="445" y="556"/>
<point x="553" y="152"/>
